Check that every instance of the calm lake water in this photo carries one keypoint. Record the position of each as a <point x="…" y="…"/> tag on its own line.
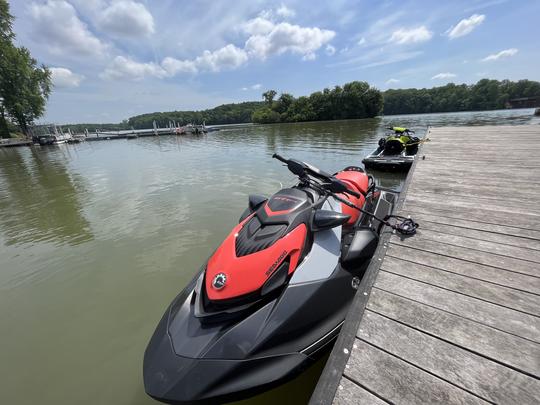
<point x="96" y="239"/>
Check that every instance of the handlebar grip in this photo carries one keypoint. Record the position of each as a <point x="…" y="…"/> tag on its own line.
<point x="280" y="158"/>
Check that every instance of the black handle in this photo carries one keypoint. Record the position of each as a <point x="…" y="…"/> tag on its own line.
<point x="280" y="158"/>
<point x="353" y="193"/>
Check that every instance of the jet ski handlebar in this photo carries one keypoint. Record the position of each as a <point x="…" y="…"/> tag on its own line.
<point x="301" y="169"/>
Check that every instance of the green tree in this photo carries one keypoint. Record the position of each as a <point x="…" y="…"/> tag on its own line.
<point x="24" y="86"/>
<point x="265" y="115"/>
<point x="268" y="96"/>
<point x="6" y="38"/>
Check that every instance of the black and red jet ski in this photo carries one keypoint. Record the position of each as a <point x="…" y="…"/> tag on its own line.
<point x="272" y="298"/>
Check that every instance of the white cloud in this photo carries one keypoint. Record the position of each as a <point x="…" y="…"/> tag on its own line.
<point x="411" y="36"/>
<point x="361" y="41"/>
<point x="63" y="77"/>
<point x="376" y="57"/>
<point x="285" y="12"/>
<point x="266" y="38"/>
<point x="442" y="76"/>
<point x="466" y="26"/>
<point x="330" y="50"/>
<point x="174" y="66"/>
<point x="392" y="81"/>
<point x="126" y="18"/>
<point x="285" y="37"/>
<point x="228" y="57"/>
<point x="257" y="86"/>
<point x="258" y="26"/>
<point x="57" y="25"/>
<point x="502" y="54"/>
<point x="126" y="68"/>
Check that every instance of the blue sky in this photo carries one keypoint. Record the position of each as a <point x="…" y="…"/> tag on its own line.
<point x="112" y="59"/>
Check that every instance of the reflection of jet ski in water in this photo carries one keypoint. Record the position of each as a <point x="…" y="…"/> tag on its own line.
<point x="272" y="298"/>
<point x="395" y="152"/>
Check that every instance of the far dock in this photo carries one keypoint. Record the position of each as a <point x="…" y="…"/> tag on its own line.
<point x="14" y="142"/>
<point x="452" y="314"/>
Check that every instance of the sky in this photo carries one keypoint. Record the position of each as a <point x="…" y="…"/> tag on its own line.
<point x="112" y="59"/>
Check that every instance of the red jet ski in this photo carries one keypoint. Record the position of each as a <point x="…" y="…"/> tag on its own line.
<point x="272" y="298"/>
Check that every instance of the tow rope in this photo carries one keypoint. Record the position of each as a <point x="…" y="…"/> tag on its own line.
<point x="419" y="142"/>
<point x="407" y="226"/>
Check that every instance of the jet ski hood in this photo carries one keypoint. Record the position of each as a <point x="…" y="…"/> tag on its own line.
<point x="257" y="247"/>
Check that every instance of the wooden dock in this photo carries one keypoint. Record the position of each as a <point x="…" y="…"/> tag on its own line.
<point x="452" y="314"/>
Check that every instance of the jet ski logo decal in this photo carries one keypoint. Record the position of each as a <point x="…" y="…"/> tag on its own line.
<point x="276" y="263"/>
<point x="219" y="281"/>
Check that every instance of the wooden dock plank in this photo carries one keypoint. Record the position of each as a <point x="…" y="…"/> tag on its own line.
<point x="494" y="275"/>
<point x="487" y="379"/>
<point x="475" y="204"/>
<point x="464" y="253"/>
<point x="398" y="381"/>
<point x="506" y="230"/>
<point x="349" y="393"/>
<point x="496" y="294"/>
<point x="504" y="217"/>
<point x="487" y="236"/>
<point x="513" y="351"/>
<point x="496" y="316"/>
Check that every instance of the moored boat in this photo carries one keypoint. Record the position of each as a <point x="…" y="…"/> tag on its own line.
<point x="396" y="151"/>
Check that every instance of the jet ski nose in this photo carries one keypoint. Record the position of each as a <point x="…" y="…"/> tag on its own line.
<point x="176" y="379"/>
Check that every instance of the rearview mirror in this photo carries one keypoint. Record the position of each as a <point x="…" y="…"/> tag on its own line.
<point x="326" y="219"/>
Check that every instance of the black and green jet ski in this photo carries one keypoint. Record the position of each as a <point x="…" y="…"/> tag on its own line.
<point x="396" y="151"/>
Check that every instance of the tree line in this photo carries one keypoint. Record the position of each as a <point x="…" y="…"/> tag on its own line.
<point x="223" y="114"/>
<point x="353" y="100"/>
<point x="486" y="94"/>
<point x="24" y="85"/>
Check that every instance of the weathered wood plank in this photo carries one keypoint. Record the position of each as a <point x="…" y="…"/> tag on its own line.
<point x="508" y="203"/>
<point x="513" y="252"/>
<point x="349" y="393"/>
<point x="496" y="294"/>
<point x="475" y="183"/>
<point x="474" y="206"/>
<point x="474" y="214"/>
<point x="520" y="198"/>
<point x="497" y="192"/>
<point x="505" y="348"/>
<point x="505" y="319"/>
<point x="463" y="253"/>
<point x="479" y="271"/>
<point x="491" y="175"/>
<point x="483" y="377"/>
<point x="446" y="219"/>
<point x="482" y="235"/>
<point x="399" y="382"/>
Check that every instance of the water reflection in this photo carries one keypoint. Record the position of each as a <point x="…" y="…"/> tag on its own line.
<point x="40" y="200"/>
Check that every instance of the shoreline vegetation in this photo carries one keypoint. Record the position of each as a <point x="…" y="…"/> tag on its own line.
<point x="353" y="100"/>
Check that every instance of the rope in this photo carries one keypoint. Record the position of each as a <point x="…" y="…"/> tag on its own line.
<point x="418" y="143"/>
<point x="406" y="227"/>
